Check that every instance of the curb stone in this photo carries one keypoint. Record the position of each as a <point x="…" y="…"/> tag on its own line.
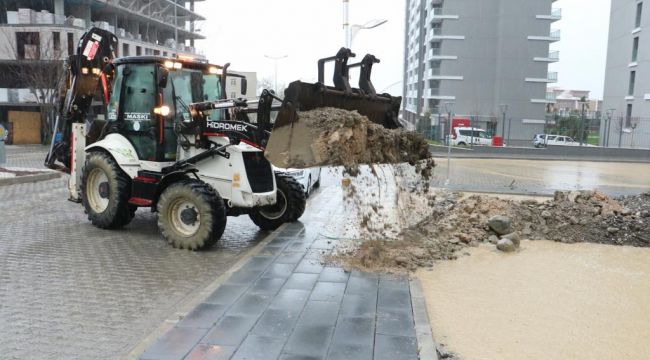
<point x="427" y="346"/>
<point x="30" y="178"/>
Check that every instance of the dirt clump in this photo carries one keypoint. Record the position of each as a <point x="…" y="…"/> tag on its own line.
<point x="454" y="224"/>
<point x="336" y="137"/>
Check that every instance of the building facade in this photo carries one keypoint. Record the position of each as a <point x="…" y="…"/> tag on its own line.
<point x="480" y="55"/>
<point x="37" y="35"/>
<point x="627" y="76"/>
<point x="569" y="102"/>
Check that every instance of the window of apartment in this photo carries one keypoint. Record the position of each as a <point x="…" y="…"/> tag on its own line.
<point x="56" y="41"/>
<point x="138" y="50"/>
<point x="165" y="53"/>
<point x="28" y="45"/>
<point x="635" y="49"/>
<point x="437" y="28"/>
<point x="435" y="48"/>
<point x="628" y="116"/>
<point x="233" y="95"/>
<point x="233" y="81"/>
<point x="156" y="52"/>
<point x="125" y="49"/>
<point x="630" y="90"/>
<point x="639" y="13"/>
<point x="70" y="44"/>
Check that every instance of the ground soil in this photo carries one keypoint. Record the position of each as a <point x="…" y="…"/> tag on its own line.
<point x="548" y="301"/>
<point x="453" y="223"/>
<point x="337" y="137"/>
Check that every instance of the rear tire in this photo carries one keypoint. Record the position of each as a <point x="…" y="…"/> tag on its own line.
<point x="105" y="192"/>
<point x="289" y="207"/>
<point x="191" y="215"/>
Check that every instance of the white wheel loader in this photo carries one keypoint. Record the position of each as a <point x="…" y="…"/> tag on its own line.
<point x="166" y="137"/>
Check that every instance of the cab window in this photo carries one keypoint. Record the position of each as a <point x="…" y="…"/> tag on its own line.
<point x="135" y="90"/>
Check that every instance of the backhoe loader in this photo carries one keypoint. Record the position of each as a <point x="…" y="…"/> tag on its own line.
<point x="160" y="133"/>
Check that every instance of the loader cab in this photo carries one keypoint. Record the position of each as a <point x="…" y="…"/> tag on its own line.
<point x="150" y="96"/>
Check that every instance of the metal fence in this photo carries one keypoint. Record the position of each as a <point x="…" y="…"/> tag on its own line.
<point x="625" y="132"/>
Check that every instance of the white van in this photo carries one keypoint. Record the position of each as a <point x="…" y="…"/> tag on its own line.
<point x="463" y="136"/>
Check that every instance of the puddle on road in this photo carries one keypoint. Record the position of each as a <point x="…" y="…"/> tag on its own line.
<point x="549" y="301"/>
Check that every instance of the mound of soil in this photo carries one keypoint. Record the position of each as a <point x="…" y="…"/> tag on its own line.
<point x="454" y="223"/>
<point x="337" y="137"/>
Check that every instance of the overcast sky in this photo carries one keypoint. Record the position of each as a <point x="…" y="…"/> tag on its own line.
<point x="242" y="32"/>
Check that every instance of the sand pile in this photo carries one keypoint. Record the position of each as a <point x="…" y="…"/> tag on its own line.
<point x="337" y="137"/>
<point x="454" y="224"/>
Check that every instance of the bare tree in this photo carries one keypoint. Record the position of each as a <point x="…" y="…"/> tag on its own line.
<point x="38" y="67"/>
<point x="269" y="84"/>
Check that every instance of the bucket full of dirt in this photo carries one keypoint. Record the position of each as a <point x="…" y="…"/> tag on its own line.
<point x="330" y="136"/>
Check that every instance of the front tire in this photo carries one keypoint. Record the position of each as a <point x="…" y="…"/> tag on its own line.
<point x="105" y="192"/>
<point x="289" y="207"/>
<point x="191" y="215"/>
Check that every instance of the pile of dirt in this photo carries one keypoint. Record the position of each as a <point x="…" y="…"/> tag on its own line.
<point x="336" y="137"/>
<point x="455" y="223"/>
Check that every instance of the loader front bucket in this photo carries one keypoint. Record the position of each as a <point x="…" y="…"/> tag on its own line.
<point x="291" y="141"/>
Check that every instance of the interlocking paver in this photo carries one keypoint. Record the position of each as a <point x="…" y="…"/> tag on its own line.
<point x="395" y="348"/>
<point x="73" y="291"/>
<point x="203" y="316"/>
<point x="292" y="307"/>
<point x="211" y="352"/>
<point x="301" y="281"/>
<point x="230" y="330"/>
<point x="328" y="291"/>
<point x="258" y="347"/>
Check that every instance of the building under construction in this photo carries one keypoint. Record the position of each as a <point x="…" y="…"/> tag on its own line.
<point x="36" y="35"/>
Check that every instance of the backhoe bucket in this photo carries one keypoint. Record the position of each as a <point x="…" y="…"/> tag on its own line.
<point x="291" y="142"/>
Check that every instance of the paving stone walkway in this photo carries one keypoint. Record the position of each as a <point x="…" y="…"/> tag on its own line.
<point x="283" y="304"/>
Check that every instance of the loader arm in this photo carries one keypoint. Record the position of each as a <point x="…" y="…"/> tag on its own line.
<point x="83" y="73"/>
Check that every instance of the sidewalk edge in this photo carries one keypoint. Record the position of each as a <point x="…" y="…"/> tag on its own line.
<point x="423" y="333"/>
<point x="30" y="178"/>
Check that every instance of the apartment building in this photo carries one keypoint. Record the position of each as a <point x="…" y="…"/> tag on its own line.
<point x="627" y="76"/>
<point x="568" y="102"/>
<point x="36" y="35"/>
<point x="480" y="55"/>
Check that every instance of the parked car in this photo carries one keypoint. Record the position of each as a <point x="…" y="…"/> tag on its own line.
<point x="308" y="178"/>
<point x="463" y="136"/>
<point x="541" y="140"/>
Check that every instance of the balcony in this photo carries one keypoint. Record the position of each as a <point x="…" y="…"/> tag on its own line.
<point x="436" y="54"/>
<point x="553" y="36"/>
<point x="434" y="94"/>
<point x="551" y="77"/>
<point x="436" y="14"/>
<point x="553" y="56"/>
<point x="551" y="96"/>
<point x="435" y="74"/>
<point x="556" y="14"/>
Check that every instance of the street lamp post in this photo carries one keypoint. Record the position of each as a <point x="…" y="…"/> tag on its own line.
<point x="449" y="106"/>
<point x="350" y="31"/>
<point x="275" y="60"/>
<point x="354" y="29"/>
<point x="504" y="110"/>
<point x="583" y="103"/>
<point x="609" y="114"/>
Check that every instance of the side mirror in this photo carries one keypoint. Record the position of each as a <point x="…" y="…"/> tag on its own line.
<point x="162" y="76"/>
<point x="244" y="86"/>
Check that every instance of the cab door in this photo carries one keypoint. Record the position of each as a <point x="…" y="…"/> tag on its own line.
<point x="135" y="96"/>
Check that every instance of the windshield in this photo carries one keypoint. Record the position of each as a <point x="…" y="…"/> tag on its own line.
<point x="192" y="86"/>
